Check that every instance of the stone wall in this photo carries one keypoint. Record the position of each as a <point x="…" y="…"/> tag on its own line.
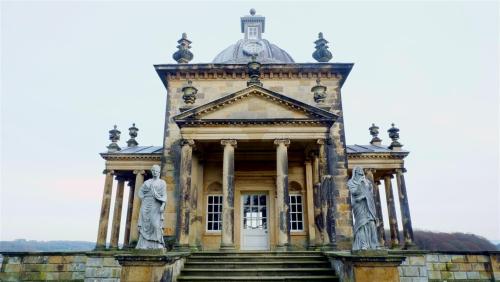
<point x="69" y="266"/>
<point x="446" y="266"/>
<point x="43" y="266"/>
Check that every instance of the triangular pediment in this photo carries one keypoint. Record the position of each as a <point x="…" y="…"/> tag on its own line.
<point x="254" y="105"/>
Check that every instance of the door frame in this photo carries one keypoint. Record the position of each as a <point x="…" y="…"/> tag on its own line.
<point x="267" y="216"/>
<point x="246" y="185"/>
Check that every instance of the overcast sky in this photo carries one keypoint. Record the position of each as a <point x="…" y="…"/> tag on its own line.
<point x="70" y="70"/>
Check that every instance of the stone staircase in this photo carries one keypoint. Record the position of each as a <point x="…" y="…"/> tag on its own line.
<point x="257" y="266"/>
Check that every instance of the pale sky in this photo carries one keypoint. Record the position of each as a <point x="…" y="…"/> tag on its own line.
<point x="71" y="70"/>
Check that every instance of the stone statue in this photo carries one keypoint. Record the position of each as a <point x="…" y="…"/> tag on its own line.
<point x="153" y="194"/>
<point x="363" y="209"/>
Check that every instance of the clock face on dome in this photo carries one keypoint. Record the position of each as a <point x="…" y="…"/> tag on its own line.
<point x="252" y="48"/>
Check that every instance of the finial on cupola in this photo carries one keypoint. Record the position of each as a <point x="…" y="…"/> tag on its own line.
<point x="253" y="68"/>
<point x="394" y="135"/>
<point x="374" y="133"/>
<point x="183" y="55"/>
<point x="132" y="131"/>
<point x="321" y="54"/>
<point x="114" y="137"/>
<point x="252" y="12"/>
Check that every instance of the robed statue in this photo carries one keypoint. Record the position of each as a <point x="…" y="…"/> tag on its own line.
<point x="153" y="195"/>
<point x="363" y="209"/>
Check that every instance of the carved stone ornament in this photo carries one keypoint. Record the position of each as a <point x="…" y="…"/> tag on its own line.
<point x="319" y="92"/>
<point x="153" y="195"/>
<point x="189" y="93"/>
<point x="132" y="131"/>
<point x="114" y="137"/>
<point x="321" y="54"/>
<point x="394" y="135"/>
<point x="374" y="133"/>
<point x="363" y="210"/>
<point x="183" y="55"/>
<point x="253" y="68"/>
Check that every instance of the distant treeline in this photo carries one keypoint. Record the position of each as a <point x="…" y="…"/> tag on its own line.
<point x="440" y="241"/>
<point x="22" y="245"/>
<point x="425" y="240"/>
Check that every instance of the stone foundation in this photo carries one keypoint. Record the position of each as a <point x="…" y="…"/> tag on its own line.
<point x="103" y="266"/>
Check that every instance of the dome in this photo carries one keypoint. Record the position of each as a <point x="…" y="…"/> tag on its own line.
<point x="242" y="52"/>
<point x="252" y="26"/>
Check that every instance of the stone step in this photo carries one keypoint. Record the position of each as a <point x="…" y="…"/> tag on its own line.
<point x="235" y="258"/>
<point x="315" y="278"/>
<point x="256" y="272"/>
<point x="257" y="264"/>
<point x="256" y="253"/>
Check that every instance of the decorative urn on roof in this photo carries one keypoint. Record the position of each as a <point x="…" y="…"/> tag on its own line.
<point x="321" y="54"/>
<point x="183" y="55"/>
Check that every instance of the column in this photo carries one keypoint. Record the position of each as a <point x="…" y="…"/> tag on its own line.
<point x="117" y="213"/>
<point x="283" y="199"/>
<point x="378" y="206"/>
<point x="376" y="197"/>
<point x="130" y="204"/>
<point x="227" y="241"/>
<point x="393" y="221"/>
<point x="310" y="204"/>
<point x="185" y="194"/>
<point x="405" y="209"/>
<point x="136" y="207"/>
<point x="316" y="198"/>
<point x="104" y="218"/>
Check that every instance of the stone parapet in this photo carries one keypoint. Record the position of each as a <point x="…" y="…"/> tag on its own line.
<point x="447" y="266"/>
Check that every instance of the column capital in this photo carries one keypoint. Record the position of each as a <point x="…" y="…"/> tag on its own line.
<point x="121" y="178"/>
<point x="377" y="182"/>
<point x="370" y="170"/>
<point x="110" y="171"/>
<point x="321" y="142"/>
<point x="389" y="175"/>
<point x="228" y="142"/>
<point x="187" y="142"/>
<point x="284" y="141"/>
<point x="400" y="170"/>
<point x="139" y="171"/>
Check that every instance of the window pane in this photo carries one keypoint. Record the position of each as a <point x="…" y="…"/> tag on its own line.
<point x="299" y="226"/>
<point x="255" y="199"/>
<point x="263" y="211"/>
<point x="263" y="200"/>
<point x="294" y="225"/>
<point x="210" y="199"/>
<point x="246" y="200"/>
<point x="210" y="208"/>
<point x="210" y="226"/>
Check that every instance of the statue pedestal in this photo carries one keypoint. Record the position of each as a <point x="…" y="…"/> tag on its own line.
<point x="366" y="266"/>
<point x="154" y="265"/>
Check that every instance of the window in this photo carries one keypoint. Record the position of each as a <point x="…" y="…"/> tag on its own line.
<point x="214" y="213"/>
<point x="296" y="216"/>
<point x="252" y="32"/>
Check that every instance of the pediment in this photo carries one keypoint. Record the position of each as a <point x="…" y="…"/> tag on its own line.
<point x="255" y="105"/>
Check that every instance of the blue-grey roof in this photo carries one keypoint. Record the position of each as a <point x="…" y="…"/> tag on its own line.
<point x="359" y="149"/>
<point x="141" y="150"/>
<point x="270" y="54"/>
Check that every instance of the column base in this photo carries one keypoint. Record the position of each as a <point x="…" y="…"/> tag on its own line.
<point x="410" y="246"/>
<point x="227" y="247"/>
<point x="182" y="248"/>
<point x="282" y="248"/>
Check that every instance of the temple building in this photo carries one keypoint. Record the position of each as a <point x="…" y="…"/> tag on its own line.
<point x="254" y="155"/>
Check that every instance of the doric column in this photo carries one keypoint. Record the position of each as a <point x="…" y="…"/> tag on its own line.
<point x="315" y="166"/>
<point x="310" y="204"/>
<point x="227" y="241"/>
<point x="185" y="193"/>
<point x="130" y="204"/>
<point x="405" y="209"/>
<point x="117" y="213"/>
<point x="283" y="199"/>
<point x="136" y="207"/>
<point x="104" y="218"/>
<point x="378" y="208"/>
<point x="391" y="208"/>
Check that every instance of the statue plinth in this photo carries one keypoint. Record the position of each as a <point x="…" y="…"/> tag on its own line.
<point x="366" y="265"/>
<point x="150" y="265"/>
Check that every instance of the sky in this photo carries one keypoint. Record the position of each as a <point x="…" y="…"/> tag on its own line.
<point x="71" y="70"/>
